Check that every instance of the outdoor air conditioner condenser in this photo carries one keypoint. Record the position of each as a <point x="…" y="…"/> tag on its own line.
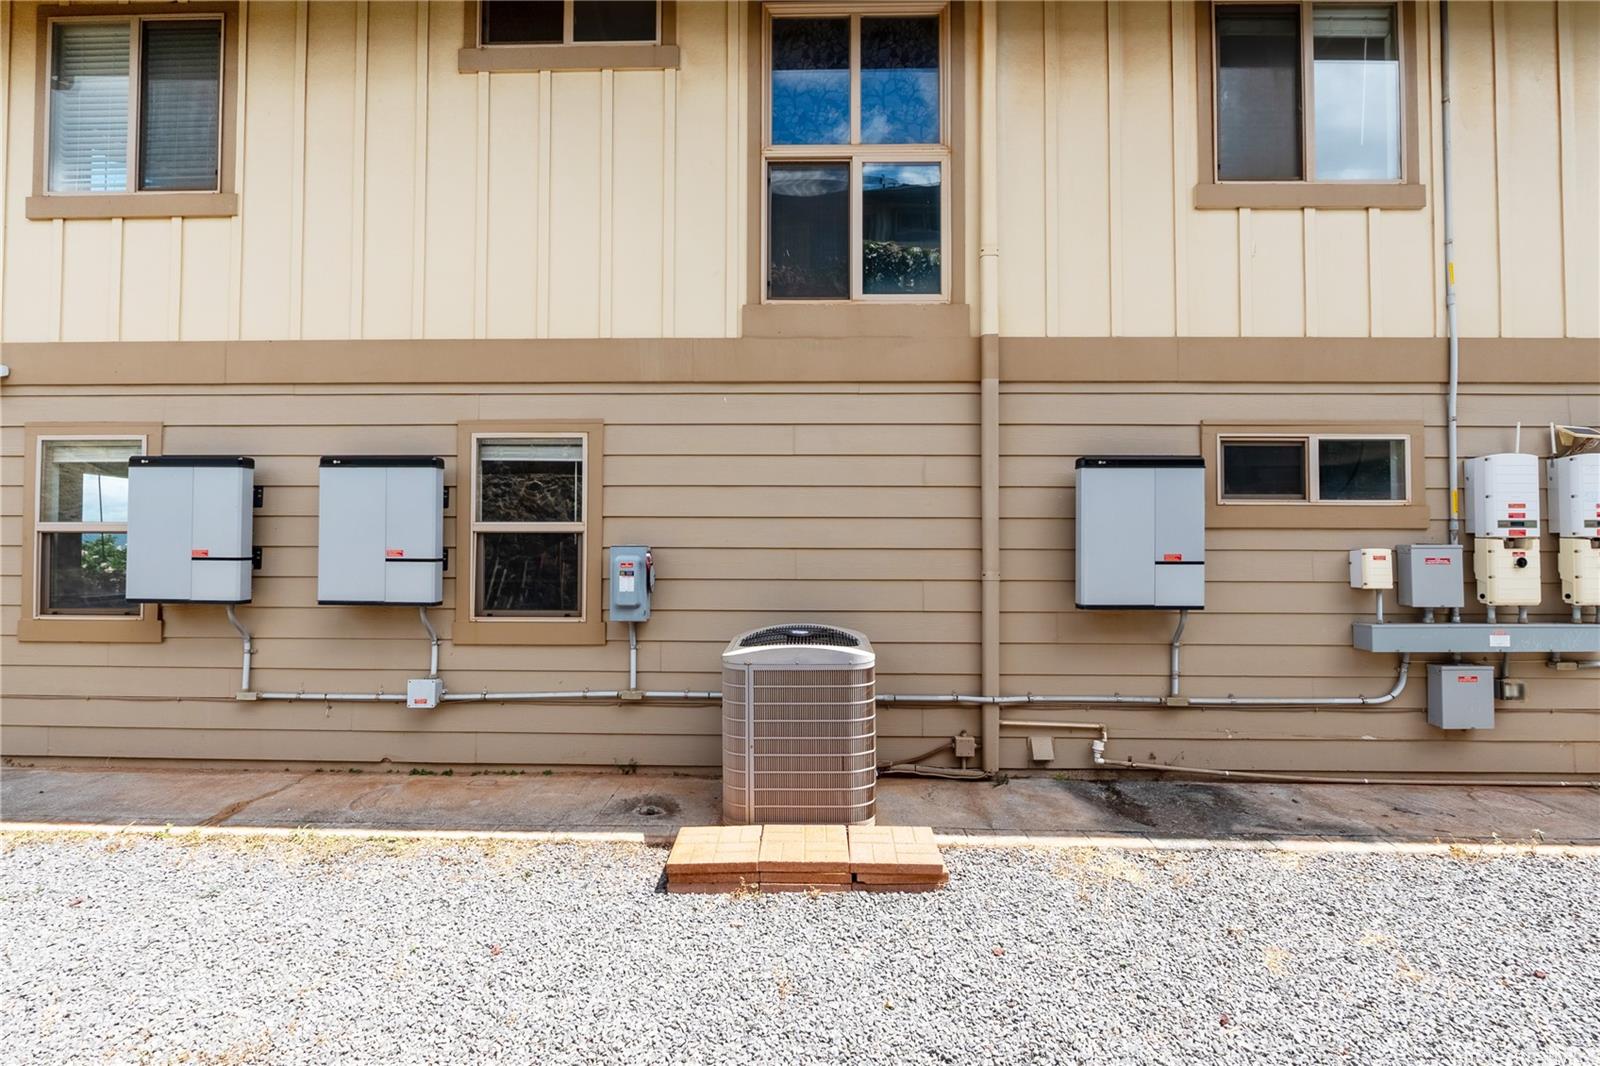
<point x="799" y="727"/>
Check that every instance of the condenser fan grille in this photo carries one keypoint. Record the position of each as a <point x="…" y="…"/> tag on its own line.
<point x="822" y="636"/>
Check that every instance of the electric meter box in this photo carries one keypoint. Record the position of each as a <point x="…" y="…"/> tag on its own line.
<point x="633" y="578"/>
<point x="190" y="535"/>
<point x="1371" y="568"/>
<point x="380" y="530"/>
<point x="1460" y="697"/>
<point x="1574" y="484"/>
<point x="1430" y="575"/>
<point x="1507" y="571"/>
<point x="1503" y="495"/>
<point x="1141" y="532"/>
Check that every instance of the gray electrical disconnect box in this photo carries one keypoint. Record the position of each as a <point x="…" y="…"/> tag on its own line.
<point x="380" y="530"/>
<point x="190" y="536"/>
<point x="1141" y="532"/>
<point x="1429" y="575"/>
<point x="633" y="576"/>
<point x="1460" y="697"/>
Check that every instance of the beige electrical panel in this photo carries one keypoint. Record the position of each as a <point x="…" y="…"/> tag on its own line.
<point x="1579" y="563"/>
<point x="1507" y="571"/>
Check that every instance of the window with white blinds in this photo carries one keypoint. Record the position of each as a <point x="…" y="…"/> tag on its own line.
<point x="103" y="73"/>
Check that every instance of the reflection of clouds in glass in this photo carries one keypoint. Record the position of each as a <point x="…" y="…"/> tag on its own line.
<point x="900" y="106"/>
<point x="810" y="106"/>
<point x="816" y="181"/>
<point x="895" y="175"/>
<point x="105" y="499"/>
<point x="1357" y="120"/>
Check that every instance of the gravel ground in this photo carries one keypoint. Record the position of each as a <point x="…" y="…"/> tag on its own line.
<point x="325" y="950"/>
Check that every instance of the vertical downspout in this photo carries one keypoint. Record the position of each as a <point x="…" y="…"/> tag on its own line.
<point x="989" y="386"/>
<point x="1449" y="279"/>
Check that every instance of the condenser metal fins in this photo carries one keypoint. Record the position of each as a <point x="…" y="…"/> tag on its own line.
<point x="799" y="727"/>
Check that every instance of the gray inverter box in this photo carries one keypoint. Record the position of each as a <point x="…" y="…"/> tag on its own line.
<point x="1141" y="532"/>
<point x="1460" y="697"/>
<point x="380" y="530"/>
<point x="190" y="528"/>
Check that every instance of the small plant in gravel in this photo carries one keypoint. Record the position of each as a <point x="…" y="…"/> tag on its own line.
<point x="1000" y="779"/>
<point x="629" y="768"/>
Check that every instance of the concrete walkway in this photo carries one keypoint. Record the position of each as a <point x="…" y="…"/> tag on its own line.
<point x="1130" y="812"/>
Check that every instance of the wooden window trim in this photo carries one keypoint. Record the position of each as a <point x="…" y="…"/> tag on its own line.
<point x="44" y="204"/>
<point x="1310" y="513"/>
<point x="1407" y="194"/>
<point x="475" y="57"/>
<point x="760" y="312"/>
<point x="143" y="628"/>
<point x="590" y="629"/>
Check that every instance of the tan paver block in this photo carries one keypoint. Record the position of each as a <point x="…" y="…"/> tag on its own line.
<point x="895" y="849"/>
<point x="805" y="848"/>
<point x="903" y="879"/>
<point x="728" y="849"/>
<point x="805" y="877"/>
<point x="717" y="878"/>
<point x="921" y="886"/>
<point x="703" y="887"/>
<point x="769" y="886"/>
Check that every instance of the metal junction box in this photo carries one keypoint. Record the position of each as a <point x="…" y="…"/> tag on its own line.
<point x="1460" y="697"/>
<point x="1430" y="575"/>
<point x="380" y="530"/>
<point x="190" y="536"/>
<point x="1141" y="532"/>
<point x="633" y="577"/>
<point x="1574" y="482"/>
<point x="1503" y="495"/>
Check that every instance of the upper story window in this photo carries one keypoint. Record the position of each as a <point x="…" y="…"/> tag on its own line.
<point x="856" y="156"/>
<point x="134" y="104"/>
<point x="570" y="22"/>
<point x="1307" y="91"/>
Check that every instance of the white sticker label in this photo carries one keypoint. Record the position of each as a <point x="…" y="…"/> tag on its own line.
<point x="1500" y="639"/>
<point x="625" y="583"/>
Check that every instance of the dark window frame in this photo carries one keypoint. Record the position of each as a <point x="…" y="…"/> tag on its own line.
<point x="568" y="25"/>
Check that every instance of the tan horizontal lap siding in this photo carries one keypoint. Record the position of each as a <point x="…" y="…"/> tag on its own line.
<point x="852" y="505"/>
<point x="846" y="505"/>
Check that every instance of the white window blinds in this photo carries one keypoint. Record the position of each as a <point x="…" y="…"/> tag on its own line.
<point x="89" y="107"/>
<point x="180" y="86"/>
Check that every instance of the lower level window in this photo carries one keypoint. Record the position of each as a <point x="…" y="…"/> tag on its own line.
<point x="1315" y="468"/>
<point x="529" y="525"/>
<point x="82" y="528"/>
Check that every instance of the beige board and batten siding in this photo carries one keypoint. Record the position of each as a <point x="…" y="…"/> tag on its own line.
<point x="385" y="194"/>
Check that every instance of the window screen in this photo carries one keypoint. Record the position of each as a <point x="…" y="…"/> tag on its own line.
<point x="809" y="236"/>
<point x="613" y="20"/>
<point x="1273" y="470"/>
<point x="523" y="21"/>
<point x="180" y="104"/>
<point x="1258" y="93"/>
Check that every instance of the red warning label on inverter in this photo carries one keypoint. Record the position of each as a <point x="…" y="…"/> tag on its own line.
<point x="394" y="553"/>
<point x="1467" y="679"/>
<point x="199" y="553"/>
